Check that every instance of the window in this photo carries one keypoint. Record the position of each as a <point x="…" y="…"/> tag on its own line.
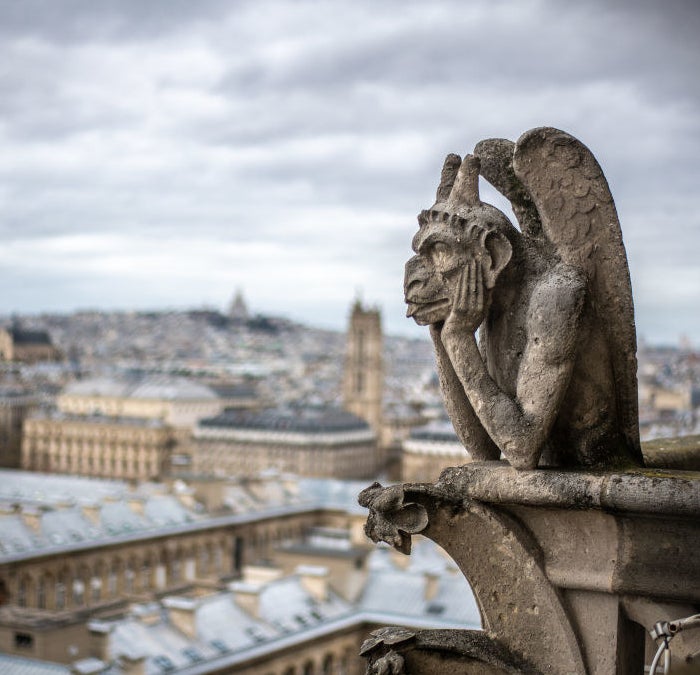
<point x="96" y="586"/>
<point x="220" y="645"/>
<point x="129" y="579"/>
<point x="24" y="641"/>
<point x="164" y="663"/>
<point x="60" y="595"/>
<point x="41" y="594"/>
<point x="193" y="655"/>
<point x="78" y="592"/>
<point x="22" y="594"/>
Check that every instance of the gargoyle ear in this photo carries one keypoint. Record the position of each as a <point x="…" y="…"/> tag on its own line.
<point x="499" y="253"/>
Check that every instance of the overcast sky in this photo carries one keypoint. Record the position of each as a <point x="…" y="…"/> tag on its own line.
<point x="164" y="153"/>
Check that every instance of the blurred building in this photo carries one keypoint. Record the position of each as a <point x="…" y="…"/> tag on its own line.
<point x="107" y="579"/>
<point x="133" y="448"/>
<point x="238" y="309"/>
<point x="133" y="430"/>
<point x="176" y="401"/>
<point x="363" y="381"/>
<point x="15" y="405"/>
<point x="307" y="441"/>
<point x="430" y="449"/>
<point x="27" y="346"/>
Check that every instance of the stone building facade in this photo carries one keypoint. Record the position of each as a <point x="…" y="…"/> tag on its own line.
<point x="141" y="580"/>
<point x="430" y="449"/>
<point x="15" y="406"/>
<point x="101" y="577"/>
<point x="132" y="448"/>
<point x="117" y="429"/>
<point x="86" y="548"/>
<point x="175" y="401"/>
<point x="303" y="441"/>
<point x="27" y="346"/>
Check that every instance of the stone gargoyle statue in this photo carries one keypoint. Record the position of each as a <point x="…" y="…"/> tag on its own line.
<point x="553" y="379"/>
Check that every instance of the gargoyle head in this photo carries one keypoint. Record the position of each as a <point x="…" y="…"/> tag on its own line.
<point x="457" y="230"/>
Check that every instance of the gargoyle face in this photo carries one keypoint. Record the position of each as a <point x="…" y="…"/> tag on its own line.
<point x="443" y="250"/>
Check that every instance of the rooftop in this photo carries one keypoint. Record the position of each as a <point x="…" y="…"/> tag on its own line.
<point x="47" y="513"/>
<point x="427" y="592"/>
<point x="314" y="419"/>
<point x="150" y="387"/>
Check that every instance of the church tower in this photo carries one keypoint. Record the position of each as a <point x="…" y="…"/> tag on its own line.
<point x="364" y="375"/>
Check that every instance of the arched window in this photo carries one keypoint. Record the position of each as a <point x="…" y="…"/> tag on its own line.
<point x="41" y="594"/>
<point x="175" y="568"/>
<point x="22" y="593"/>
<point x="60" y="592"/>
<point x="78" y="592"/>
<point x="146" y="574"/>
<point x="96" y="588"/>
<point x="129" y="578"/>
<point x="203" y="561"/>
<point x="112" y="579"/>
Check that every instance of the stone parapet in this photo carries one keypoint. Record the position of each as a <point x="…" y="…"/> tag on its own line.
<point x="568" y="567"/>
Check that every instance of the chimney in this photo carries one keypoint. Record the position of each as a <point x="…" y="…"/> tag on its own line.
<point x="32" y="518"/>
<point x="91" y="511"/>
<point x="183" y="615"/>
<point x="247" y="597"/>
<point x="133" y="665"/>
<point x="99" y="632"/>
<point x="314" y="580"/>
<point x="135" y="504"/>
<point x="259" y="575"/>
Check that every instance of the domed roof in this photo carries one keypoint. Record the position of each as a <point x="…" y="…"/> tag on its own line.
<point x="171" y="388"/>
<point x="153" y="387"/>
<point x="314" y="419"/>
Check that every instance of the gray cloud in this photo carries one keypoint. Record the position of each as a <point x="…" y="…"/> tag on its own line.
<point x="167" y="152"/>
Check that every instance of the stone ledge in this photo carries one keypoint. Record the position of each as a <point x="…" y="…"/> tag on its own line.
<point x="681" y="452"/>
<point x="643" y="491"/>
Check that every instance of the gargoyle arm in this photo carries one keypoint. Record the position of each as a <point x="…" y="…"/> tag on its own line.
<point x="519" y="426"/>
<point x="467" y="425"/>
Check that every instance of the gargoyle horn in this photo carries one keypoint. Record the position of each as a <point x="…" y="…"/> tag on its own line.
<point x="465" y="191"/>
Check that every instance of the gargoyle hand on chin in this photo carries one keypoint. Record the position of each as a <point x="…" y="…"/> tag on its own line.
<point x="468" y="307"/>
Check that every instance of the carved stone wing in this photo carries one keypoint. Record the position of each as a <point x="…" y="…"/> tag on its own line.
<point x="579" y="218"/>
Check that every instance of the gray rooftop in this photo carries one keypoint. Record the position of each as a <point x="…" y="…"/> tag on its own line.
<point x="311" y="419"/>
<point x="77" y="512"/>
<point x="150" y="387"/>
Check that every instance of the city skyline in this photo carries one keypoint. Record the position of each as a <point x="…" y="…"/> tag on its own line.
<point x="164" y="156"/>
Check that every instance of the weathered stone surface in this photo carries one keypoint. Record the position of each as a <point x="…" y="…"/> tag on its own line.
<point x="396" y="651"/>
<point x="553" y="381"/>
<point x="572" y="548"/>
<point x="559" y="562"/>
<point x="673" y="453"/>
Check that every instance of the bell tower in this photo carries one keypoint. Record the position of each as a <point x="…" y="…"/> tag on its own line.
<point x="364" y="374"/>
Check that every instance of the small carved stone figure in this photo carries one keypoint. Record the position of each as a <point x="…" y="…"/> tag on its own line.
<point x="553" y="380"/>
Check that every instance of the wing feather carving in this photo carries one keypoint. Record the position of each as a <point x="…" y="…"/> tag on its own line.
<point x="579" y="218"/>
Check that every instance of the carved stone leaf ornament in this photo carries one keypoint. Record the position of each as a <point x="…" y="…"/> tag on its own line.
<point x="391" y="520"/>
